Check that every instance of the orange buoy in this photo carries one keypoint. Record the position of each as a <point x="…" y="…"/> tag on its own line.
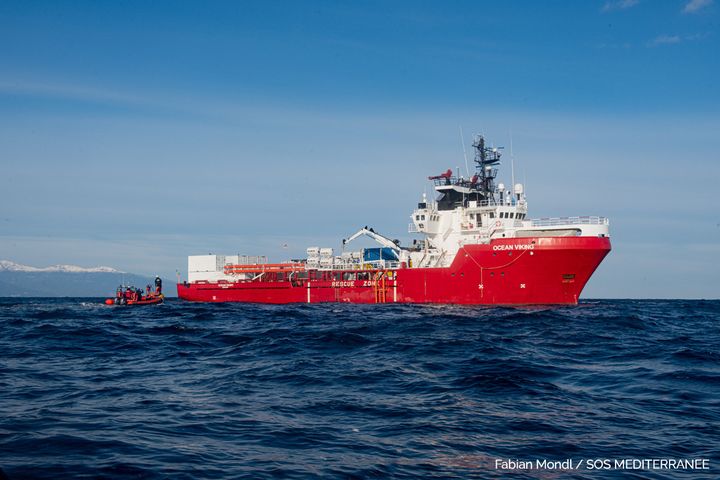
<point x="109" y="301"/>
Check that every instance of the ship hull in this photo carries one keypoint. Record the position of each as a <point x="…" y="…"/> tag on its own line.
<point x="514" y="271"/>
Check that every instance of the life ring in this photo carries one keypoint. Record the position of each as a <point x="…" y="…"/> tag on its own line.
<point x="498" y="223"/>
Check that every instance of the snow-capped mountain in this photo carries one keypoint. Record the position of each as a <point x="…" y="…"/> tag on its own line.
<point x="6" y="265"/>
<point x="17" y="280"/>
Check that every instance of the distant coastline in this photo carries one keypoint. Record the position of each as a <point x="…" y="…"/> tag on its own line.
<point x="18" y="280"/>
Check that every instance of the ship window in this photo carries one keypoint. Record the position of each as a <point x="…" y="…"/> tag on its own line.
<point x="417" y="217"/>
<point x="492" y="214"/>
<point x="422" y="217"/>
<point x="512" y="215"/>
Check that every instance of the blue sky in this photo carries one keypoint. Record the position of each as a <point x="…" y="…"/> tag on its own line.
<point x="135" y="133"/>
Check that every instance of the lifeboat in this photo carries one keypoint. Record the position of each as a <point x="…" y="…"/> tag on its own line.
<point x="144" y="300"/>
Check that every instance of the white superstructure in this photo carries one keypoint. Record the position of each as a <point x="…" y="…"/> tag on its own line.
<point x="475" y="211"/>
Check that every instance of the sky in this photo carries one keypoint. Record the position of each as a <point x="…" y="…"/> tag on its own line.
<point x="133" y="134"/>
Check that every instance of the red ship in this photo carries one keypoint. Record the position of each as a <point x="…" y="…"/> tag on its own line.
<point x="478" y="247"/>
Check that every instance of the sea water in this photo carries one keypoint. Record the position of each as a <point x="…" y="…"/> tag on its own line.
<point x="190" y="391"/>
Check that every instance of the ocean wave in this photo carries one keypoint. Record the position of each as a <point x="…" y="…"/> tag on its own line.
<point x="189" y="390"/>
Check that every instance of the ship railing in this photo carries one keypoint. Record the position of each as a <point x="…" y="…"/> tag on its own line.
<point x="364" y="265"/>
<point x="412" y="228"/>
<point x="385" y="264"/>
<point x="459" y="181"/>
<point x="558" y="221"/>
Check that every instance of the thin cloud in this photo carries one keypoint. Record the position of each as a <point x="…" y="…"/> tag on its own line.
<point x="619" y="5"/>
<point x="75" y="92"/>
<point x="674" y="39"/>
<point x="694" y="6"/>
<point x="664" y="40"/>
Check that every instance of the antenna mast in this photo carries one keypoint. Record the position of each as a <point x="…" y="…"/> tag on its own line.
<point x="512" y="167"/>
<point x="486" y="159"/>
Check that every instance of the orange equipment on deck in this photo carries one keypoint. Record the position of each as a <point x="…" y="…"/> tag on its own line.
<point x="264" y="268"/>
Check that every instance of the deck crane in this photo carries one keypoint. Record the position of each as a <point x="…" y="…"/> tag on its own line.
<point x="369" y="232"/>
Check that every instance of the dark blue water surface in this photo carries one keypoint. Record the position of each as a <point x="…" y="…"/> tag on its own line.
<point x="354" y="391"/>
